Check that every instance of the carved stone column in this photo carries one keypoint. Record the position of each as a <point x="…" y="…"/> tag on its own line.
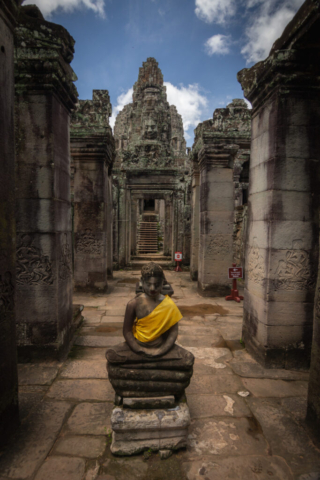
<point x="9" y="414"/>
<point x="110" y="216"/>
<point x="122" y="223"/>
<point x="92" y="151"/>
<point x="45" y="95"/>
<point x="168" y="226"/>
<point x="283" y="228"/>
<point x="216" y="219"/>
<point x="195" y="223"/>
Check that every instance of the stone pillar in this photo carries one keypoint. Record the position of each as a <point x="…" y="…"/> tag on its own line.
<point x="168" y="226"/>
<point x="133" y="242"/>
<point x="9" y="414"/>
<point x="283" y="228"/>
<point x="216" y="220"/>
<point x="122" y="226"/>
<point x="92" y="151"/>
<point x="45" y="95"/>
<point x="110" y="214"/>
<point x="195" y="222"/>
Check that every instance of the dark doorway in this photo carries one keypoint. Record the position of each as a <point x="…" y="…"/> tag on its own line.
<point x="149" y="206"/>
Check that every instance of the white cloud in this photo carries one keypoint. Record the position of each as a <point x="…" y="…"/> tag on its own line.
<point x="47" y="7"/>
<point x="267" y="25"/>
<point x="215" y="10"/>
<point x="218" y="44"/>
<point x="189" y="101"/>
<point x="122" y="100"/>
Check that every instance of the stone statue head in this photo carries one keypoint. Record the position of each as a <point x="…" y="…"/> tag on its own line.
<point x="152" y="278"/>
<point x="150" y="129"/>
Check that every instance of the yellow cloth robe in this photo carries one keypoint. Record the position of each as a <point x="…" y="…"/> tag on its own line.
<point x="163" y="317"/>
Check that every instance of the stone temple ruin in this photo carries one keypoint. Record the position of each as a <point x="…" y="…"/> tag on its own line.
<point x="78" y="203"/>
<point x="151" y="175"/>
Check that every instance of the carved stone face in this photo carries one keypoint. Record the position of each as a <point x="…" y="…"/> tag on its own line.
<point x="150" y="129"/>
<point x="152" y="286"/>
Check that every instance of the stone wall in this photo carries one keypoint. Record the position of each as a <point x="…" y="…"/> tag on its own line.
<point x="45" y="95"/>
<point x="9" y="414"/>
<point x="92" y="152"/>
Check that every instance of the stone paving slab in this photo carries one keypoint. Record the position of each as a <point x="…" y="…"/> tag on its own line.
<point x="286" y="437"/>
<point x="90" y="419"/>
<point x="84" y="369"/>
<point x="30" y="396"/>
<point x="230" y="331"/>
<point x="275" y="388"/>
<point x="98" y="341"/>
<point x="112" y="319"/>
<point x="200" y="368"/>
<point x="214" y="357"/>
<point x="81" y="390"/>
<point x="206" y="406"/>
<point x="90" y="300"/>
<point x="225" y="436"/>
<point x="215" y="385"/>
<point x="252" y="467"/>
<point x="35" y="374"/>
<point x="115" y="312"/>
<point x="81" y="446"/>
<point x="61" y="468"/>
<point x="214" y="340"/>
<point x="88" y="353"/>
<point x="34" y="440"/>
<point x="254" y="370"/>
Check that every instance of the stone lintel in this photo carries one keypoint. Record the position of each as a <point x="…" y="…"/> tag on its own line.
<point x="290" y="65"/>
<point x="40" y="68"/>
<point x="219" y="155"/>
<point x="94" y="148"/>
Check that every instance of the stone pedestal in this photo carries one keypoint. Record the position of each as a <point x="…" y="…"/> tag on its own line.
<point x="92" y="151"/>
<point x="216" y="220"/>
<point x="137" y="430"/>
<point x="195" y="223"/>
<point x="283" y="228"/>
<point x="45" y="94"/>
<point x="9" y="415"/>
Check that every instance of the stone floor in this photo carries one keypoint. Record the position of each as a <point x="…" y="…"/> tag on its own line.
<point x="247" y="422"/>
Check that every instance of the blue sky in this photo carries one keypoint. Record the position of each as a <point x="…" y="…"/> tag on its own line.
<point x="200" y="46"/>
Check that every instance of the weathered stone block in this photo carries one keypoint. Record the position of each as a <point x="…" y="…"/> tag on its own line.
<point x="137" y="430"/>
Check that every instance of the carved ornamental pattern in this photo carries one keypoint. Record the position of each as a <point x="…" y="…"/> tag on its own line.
<point x="219" y="245"/>
<point x="65" y="269"/>
<point x="295" y="272"/>
<point x="255" y="269"/>
<point x="6" y="293"/>
<point x="88" y="243"/>
<point x="33" y="268"/>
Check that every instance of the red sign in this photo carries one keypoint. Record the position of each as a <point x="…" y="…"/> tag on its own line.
<point x="178" y="256"/>
<point x="235" y="272"/>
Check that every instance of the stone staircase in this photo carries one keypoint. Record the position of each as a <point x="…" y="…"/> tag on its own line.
<point x="148" y="238"/>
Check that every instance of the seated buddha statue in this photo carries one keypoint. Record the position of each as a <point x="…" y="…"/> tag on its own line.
<point x="149" y="363"/>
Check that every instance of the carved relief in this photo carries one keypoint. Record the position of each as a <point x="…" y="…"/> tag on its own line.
<point x="219" y="245"/>
<point x="65" y="260"/>
<point x="255" y="266"/>
<point x="87" y="243"/>
<point x="295" y="272"/>
<point x="33" y="268"/>
<point x="6" y="293"/>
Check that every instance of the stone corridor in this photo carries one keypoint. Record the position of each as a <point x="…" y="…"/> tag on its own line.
<point x="246" y="422"/>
